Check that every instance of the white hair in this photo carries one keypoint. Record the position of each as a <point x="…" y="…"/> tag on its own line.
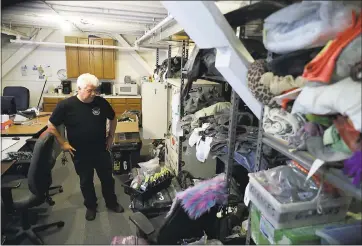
<point x="87" y="79"/>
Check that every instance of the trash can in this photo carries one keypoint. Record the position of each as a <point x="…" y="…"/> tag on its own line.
<point x="125" y="152"/>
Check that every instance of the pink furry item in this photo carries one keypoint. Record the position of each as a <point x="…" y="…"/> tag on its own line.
<point x="199" y="199"/>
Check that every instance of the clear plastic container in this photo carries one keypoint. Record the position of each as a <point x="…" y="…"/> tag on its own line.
<point x="341" y="234"/>
<point x="295" y="214"/>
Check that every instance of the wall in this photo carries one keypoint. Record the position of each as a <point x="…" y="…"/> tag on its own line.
<point x="55" y="58"/>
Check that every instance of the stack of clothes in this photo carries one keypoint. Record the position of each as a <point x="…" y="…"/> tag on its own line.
<point x="207" y="129"/>
<point x="312" y="88"/>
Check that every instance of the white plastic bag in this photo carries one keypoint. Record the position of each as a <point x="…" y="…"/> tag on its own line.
<point x="152" y="166"/>
<point x="304" y="25"/>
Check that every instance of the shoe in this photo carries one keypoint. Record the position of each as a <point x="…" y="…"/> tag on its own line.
<point x="90" y="214"/>
<point x="117" y="209"/>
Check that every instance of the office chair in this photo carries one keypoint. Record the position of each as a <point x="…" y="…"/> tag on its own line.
<point x="39" y="180"/>
<point x="174" y="228"/>
<point x="8" y="105"/>
<point x="21" y="95"/>
<point x="21" y="167"/>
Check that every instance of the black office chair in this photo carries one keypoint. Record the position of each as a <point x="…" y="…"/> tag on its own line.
<point x="39" y="180"/>
<point x="21" y="95"/>
<point x="21" y="167"/>
<point x="8" y="105"/>
<point x="171" y="230"/>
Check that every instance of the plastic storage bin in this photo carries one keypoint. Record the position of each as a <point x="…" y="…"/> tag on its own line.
<point x="263" y="233"/>
<point x="159" y="202"/>
<point x="145" y="195"/>
<point x="341" y="234"/>
<point x="296" y="214"/>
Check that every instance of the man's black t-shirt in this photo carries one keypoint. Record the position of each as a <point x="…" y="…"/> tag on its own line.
<point x="85" y="123"/>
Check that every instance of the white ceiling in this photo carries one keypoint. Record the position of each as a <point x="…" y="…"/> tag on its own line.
<point x="121" y="17"/>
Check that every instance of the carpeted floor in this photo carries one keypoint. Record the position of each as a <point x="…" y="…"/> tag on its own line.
<point x="69" y="208"/>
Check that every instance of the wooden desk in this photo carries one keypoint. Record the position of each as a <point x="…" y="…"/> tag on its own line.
<point x="36" y="126"/>
<point x="5" y="165"/>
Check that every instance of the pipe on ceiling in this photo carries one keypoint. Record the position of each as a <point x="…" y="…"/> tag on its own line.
<point x="11" y="32"/>
<point x="19" y="41"/>
<point x="162" y="23"/>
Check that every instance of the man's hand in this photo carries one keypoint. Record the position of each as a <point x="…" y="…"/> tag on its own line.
<point x="68" y="148"/>
<point x="109" y="142"/>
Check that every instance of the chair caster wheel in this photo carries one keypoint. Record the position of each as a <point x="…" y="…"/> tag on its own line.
<point x="60" y="224"/>
<point x="50" y="201"/>
<point x="60" y="190"/>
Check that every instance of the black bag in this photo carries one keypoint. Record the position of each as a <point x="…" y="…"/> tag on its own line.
<point x="159" y="203"/>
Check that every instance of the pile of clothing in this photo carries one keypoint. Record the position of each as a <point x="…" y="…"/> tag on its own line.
<point x="161" y="71"/>
<point x="312" y="88"/>
<point x="207" y="129"/>
<point x="200" y="98"/>
<point x="157" y="149"/>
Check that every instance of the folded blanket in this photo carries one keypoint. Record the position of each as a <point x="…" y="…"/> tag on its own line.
<point x="321" y="68"/>
<point x="305" y="25"/>
<point x="258" y="90"/>
<point x="280" y="123"/>
<point x="298" y="141"/>
<point x="343" y="97"/>
<point x="347" y="132"/>
<point x="279" y="84"/>
<point x="346" y="61"/>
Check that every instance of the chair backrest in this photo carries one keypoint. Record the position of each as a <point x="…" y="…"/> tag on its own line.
<point x="21" y="94"/>
<point x="178" y="226"/>
<point x="41" y="164"/>
<point x="8" y="105"/>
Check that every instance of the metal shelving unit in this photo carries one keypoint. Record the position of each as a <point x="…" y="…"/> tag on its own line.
<point x="332" y="175"/>
<point x="233" y="60"/>
<point x="181" y="105"/>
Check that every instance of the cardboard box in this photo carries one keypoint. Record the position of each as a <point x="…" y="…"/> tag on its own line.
<point x="125" y="127"/>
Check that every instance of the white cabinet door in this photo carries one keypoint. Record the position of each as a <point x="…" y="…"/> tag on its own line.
<point x="154" y="110"/>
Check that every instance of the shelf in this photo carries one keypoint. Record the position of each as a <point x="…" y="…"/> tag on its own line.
<point x="302" y="157"/>
<point x="332" y="175"/>
<point x="338" y="179"/>
<point x="177" y="82"/>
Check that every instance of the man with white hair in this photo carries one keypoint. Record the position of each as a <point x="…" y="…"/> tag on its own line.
<point x="85" y="116"/>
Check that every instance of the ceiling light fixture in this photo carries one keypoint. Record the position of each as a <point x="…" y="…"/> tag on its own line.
<point x="66" y="26"/>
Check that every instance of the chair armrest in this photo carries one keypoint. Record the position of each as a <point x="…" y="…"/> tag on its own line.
<point x="11" y="185"/>
<point x="142" y="223"/>
<point x="31" y="140"/>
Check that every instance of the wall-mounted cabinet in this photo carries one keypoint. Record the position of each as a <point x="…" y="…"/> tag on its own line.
<point x="97" y="61"/>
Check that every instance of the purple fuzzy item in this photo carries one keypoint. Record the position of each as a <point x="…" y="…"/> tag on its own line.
<point x="353" y="167"/>
<point x="199" y="199"/>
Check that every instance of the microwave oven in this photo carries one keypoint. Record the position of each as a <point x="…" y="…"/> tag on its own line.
<point x="127" y="89"/>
